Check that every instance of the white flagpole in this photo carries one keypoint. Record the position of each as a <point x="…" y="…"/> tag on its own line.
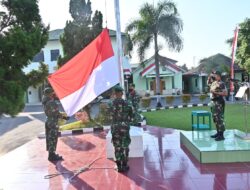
<point x="119" y="42"/>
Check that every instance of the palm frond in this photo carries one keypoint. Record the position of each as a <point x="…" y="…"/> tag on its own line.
<point x="167" y="7"/>
<point x="175" y="42"/>
<point x="146" y="11"/>
<point x="170" y="28"/>
<point x="133" y="26"/>
<point x="171" y="21"/>
<point x="143" y="46"/>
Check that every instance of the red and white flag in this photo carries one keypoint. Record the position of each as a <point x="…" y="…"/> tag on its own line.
<point x="87" y="75"/>
<point x="234" y="46"/>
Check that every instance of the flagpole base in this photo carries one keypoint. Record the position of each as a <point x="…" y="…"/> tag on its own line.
<point x="158" y="99"/>
<point x="232" y="96"/>
<point x="158" y="105"/>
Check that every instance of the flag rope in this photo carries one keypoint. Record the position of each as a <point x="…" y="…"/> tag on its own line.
<point x="78" y="171"/>
<point x="106" y="18"/>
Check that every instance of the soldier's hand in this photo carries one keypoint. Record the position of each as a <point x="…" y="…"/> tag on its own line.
<point x="83" y="116"/>
<point x="66" y="118"/>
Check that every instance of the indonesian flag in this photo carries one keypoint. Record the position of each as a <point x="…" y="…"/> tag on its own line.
<point x="87" y="75"/>
<point x="233" y="57"/>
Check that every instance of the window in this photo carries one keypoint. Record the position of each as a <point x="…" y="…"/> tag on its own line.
<point x="163" y="85"/>
<point x="196" y="82"/>
<point x="39" y="57"/>
<point x="54" y="54"/>
<point x="151" y="85"/>
<point x="173" y="82"/>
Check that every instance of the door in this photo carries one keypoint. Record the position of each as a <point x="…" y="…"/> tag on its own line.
<point x="153" y="86"/>
<point x="162" y="87"/>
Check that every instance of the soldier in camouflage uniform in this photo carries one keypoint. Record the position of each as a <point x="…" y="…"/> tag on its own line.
<point x="218" y="91"/>
<point x="51" y="128"/>
<point x="134" y="98"/>
<point x="121" y="115"/>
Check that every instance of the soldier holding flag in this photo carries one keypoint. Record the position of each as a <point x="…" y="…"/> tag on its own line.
<point x="51" y="128"/>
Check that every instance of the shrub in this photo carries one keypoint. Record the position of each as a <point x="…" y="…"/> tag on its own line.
<point x="145" y="102"/>
<point x="77" y="125"/>
<point x="203" y="97"/>
<point x="170" y="99"/>
<point x="103" y="116"/>
<point x="186" y="98"/>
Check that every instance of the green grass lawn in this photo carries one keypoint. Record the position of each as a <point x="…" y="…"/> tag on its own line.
<point x="181" y="118"/>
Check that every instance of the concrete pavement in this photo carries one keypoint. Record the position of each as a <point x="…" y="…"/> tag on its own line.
<point x="16" y="131"/>
<point x="26" y="126"/>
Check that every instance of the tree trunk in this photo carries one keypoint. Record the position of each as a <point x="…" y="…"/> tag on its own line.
<point x="157" y="72"/>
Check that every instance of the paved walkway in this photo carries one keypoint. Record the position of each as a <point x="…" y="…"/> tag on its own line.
<point x="165" y="165"/>
<point x="17" y="131"/>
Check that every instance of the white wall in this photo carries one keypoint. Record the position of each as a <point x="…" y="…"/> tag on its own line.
<point x="33" y="96"/>
<point x="51" y="45"/>
<point x="200" y="83"/>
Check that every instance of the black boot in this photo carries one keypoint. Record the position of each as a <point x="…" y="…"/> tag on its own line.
<point x="125" y="166"/>
<point x="119" y="166"/>
<point x="220" y="137"/>
<point x="214" y="136"/>
<point x="51" y="156"/>
<point x="59" y="157"/>
<point x="54" y="157"/>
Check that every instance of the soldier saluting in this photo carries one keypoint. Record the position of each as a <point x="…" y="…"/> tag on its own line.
<point x="51" y="128"/>
<point x="121" y="116"/>
<point x="218" y="90"/>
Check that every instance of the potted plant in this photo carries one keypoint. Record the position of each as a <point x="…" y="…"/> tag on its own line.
<point x="146" y="101"/>
<point x="186" y="98"/>
<point x="203" y="97"/>
<point x="170" y="100"/>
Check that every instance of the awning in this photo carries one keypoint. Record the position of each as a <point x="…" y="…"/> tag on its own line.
<point x="148" y="69"/>
<point x="163" y="75"/>
<point x="151" y="67"/>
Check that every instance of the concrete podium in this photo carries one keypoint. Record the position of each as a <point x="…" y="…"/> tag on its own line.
<point x="136" y="145"/>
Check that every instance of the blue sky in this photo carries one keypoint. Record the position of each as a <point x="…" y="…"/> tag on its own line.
<point x="207" y="23"/>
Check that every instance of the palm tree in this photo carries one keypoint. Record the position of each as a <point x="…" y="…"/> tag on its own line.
<point x="162" y="20"/>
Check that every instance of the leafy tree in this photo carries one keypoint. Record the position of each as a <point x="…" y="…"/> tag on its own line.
<point x="184" y="67"/>
<point x="128" y="45"/>
<point x="216" y="62"/>
<point x="162" y="20"/>
<point x="243" y="45"/>
<point x="79" y="32"/>
<point x="36" y="77"/>
<point x="22" y="35"/>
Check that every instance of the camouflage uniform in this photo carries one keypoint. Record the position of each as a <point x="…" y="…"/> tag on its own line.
<point x="134" y="98"/>
<point x="218" y="107"/>
<point x="52" y="115"/>
<point x="121" y="115"/>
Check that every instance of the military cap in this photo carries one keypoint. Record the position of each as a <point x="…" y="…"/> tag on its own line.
<point x="47" y="91"/>
<point x="217" y="73"/>
<point x="118" y="88"/>
<point x="132" y="85"/>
